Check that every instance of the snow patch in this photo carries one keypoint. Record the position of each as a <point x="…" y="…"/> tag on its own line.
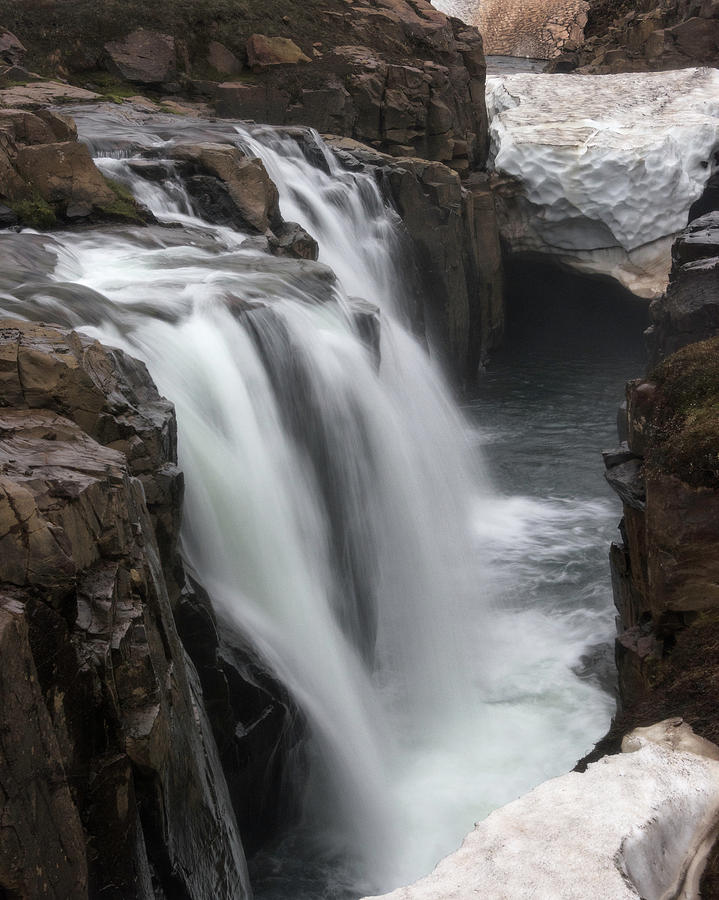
<point x="609" y="165"/>
<point x="634" y="825"/>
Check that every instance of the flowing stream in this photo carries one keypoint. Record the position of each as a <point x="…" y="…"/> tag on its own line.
<point x="430" y="625"/>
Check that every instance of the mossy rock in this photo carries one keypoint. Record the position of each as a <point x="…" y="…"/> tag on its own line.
<point x="124" y="207"/>
<point x="35" y="212"/>
<point x="685" y="426"/>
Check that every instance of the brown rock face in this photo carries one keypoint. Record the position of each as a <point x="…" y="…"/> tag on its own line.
<point x="144" y="56"/>
<point x="455" y="247"/>
<point x="63" y="173"/>
<point x="126" y="790"/>
<point x="223" y="60"/>
<point x="647" y="35"/>
<point x="263" y="51"/>
<point x="45" y="172"/>
<point x="250" y="188"/>
<point x="12" y="50"/>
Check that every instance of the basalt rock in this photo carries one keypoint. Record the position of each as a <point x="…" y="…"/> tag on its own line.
<point x="398" y="74"/>
<point x="112" y="765"/>
<point x="689" y="311"/>
<point x="253" y="197"/>
<point x="144" y="56"/>
<point x="648" y="35"/>
<point x="46" y="174"/>
<point x="453" y="242"/>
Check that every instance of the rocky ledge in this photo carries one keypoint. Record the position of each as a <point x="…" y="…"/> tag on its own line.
<point x="397" y="74"/>
<point x="47" y="175"/>
<point x="116" y="756"/>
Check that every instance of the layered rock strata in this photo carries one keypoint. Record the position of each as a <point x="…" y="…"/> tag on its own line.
<point x="452" y="227"/>
<point x="646" y="35"/>
<point x="633" y="825"/>
<point x="112" y="779"/>
<point x="664" y="568"/>
<point x="397" y="74"/>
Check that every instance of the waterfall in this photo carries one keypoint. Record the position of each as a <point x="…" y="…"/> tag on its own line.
<point x="331" y="506"/>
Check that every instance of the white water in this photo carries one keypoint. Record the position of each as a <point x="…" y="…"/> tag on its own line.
<point x="324" y="498"/>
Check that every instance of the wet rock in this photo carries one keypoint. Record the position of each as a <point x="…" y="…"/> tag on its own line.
<point x="257" y="727"/>
<point x="264" y="51"/>
<point x="250" y="189"/>
<point x="144" y="56"/>
<point x="454" y="247"/>
<point x="626" y="480"/>
<point x="292" y="240"/>
<point x="116" y="709"/>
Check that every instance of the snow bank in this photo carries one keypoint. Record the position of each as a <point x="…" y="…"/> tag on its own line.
<point x="609" y="165"/>
<point x="638" y="824"/>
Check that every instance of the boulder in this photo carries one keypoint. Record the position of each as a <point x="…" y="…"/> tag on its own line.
<point x="252" y="193"/>
<point x="143" y="56"/>
<point x="223" y="60"/>
<point x="63" y="173"/>
<point x="292" y="240"/>
<point x="264" y="51"/>
<point x="12" y="50"/>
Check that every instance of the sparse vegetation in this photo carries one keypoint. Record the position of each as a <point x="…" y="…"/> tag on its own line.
<point x="35" y="212"/>
<point x="685" y="439"/>
<point x="124" y="207"/>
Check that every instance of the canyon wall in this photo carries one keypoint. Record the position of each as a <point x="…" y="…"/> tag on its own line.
<point x="112" y="746"/>
<point x="664" y="567"/>
<point x="649" y="35"/>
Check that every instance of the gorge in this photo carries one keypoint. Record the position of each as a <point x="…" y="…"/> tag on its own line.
<point x="308" y="612"/>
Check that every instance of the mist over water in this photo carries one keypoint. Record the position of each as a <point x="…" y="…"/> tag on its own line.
<point x="424" y="581"/>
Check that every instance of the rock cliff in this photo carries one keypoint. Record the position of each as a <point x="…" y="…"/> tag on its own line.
<point x="397" y="74"/>
<point x="112" y="780"/>
<point x="648" y="35"/>
<point x="664" y="568"/>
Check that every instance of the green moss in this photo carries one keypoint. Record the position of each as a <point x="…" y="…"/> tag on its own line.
<point x="35" y="212"/>
<point x="109" y="86"/>
<point x="124" y="206"/>
<point x="685" y="426"/>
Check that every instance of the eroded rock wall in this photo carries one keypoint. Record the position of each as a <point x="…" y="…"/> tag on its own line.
<point x="648" y="35"/>
<point x="112" y="780"/>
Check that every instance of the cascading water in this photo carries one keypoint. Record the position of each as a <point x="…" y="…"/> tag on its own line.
<point x="331" y="508"/>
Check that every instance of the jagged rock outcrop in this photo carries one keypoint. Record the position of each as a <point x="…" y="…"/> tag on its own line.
<point x="111" y="782"/>
<point x="46" y="173"/>
<point x="116" y="747"/>
<point x="638" y="824"/>
<point x="689" y="311"/>
<point x="453" y="230"/>
<point x="648" y="35"/>
<point x="397" y="74"/>
<point x="664" y="568"/>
